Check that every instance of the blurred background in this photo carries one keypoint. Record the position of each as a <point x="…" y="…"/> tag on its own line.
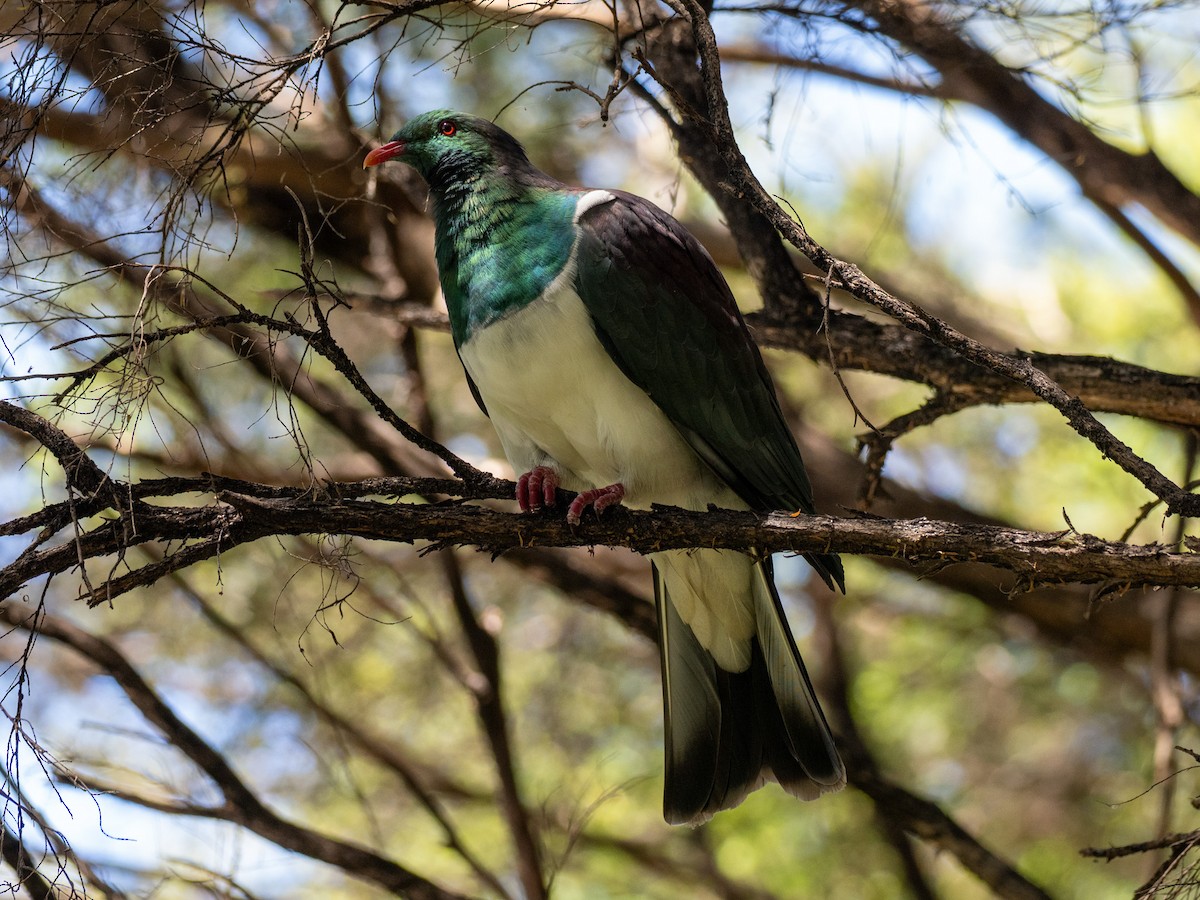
<point x="1025" y="171"/>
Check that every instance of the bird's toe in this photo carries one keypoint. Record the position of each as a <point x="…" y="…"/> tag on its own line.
<point x="599" y="499"/>
<point x="536" y="488"/>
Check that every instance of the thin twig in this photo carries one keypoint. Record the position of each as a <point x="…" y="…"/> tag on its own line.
<point x="489" y="701"/>
<point x="240" y="804"/>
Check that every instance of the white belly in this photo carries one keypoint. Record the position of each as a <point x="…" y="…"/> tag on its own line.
<point x="556" y="398"/>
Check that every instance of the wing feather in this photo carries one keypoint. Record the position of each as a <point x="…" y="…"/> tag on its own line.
<point x="666" y="316"/>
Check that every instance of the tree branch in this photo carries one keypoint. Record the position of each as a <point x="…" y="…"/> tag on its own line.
<point x="1104" y="172"/>
<point x="19" y="859"/>
<point x="489" y="702"/>
<point x="741" y="182"/>
<point x="241" y="805"/>
<point x="238" y="518"/>
<point x="1101" y="383"/>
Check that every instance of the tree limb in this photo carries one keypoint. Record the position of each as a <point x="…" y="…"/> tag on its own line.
<point x="237" y="518"/>
<point x="741" y="183"/>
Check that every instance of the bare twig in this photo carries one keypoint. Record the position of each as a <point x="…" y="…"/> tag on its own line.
<point x="240" y="804"/>
<point x="489" y="701"/>
<point x="21" y="861"/>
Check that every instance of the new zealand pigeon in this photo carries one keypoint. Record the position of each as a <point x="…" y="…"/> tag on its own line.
<point x="609" y="353"/>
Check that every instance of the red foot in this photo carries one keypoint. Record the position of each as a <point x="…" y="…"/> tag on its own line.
<point x="536" y="489"/>
<point x="599" y="499"/>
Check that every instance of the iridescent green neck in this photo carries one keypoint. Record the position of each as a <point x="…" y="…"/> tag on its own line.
<point x="499" y="245"/>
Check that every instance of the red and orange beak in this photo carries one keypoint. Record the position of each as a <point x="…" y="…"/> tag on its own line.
<point x="382" y="154"/>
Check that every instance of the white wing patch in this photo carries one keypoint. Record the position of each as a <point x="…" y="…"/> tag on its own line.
<point x="591" y="200"/>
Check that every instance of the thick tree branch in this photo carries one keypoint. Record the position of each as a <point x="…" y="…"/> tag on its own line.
<point x="249" y="512"/>
<point x="1052" y="132"/>
<point x="238" y="518"/>
<point x="1034" y="556"/>
<point x="1105" y="173"/>
<point x="1101" y="383"/>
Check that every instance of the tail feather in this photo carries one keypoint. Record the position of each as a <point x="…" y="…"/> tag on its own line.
<point x="807" y="733"/>
<point x="829" y="567"/>
<point x="727" y="733"/>
<point x="705" y="770"/>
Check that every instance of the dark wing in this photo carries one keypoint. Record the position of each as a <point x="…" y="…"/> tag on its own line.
<point x="666" y="316"/>
<point x="473" y="387"/>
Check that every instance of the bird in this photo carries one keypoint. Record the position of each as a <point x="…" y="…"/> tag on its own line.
<point x="609" y="353"/>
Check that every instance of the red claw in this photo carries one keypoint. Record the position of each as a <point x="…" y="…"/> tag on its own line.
<point x="599" y="499"/>
<point x="535" y="489"/>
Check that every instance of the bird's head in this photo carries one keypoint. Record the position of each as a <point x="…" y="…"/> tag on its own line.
<point x="446" y="147"/>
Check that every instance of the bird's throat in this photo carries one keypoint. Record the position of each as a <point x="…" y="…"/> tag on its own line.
<point x="498" y="248"/>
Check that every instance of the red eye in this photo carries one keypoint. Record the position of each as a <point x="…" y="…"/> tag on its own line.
<point x="447" y="128"/>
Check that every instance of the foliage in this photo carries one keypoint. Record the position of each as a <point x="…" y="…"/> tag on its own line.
<point x="249" y="649"/>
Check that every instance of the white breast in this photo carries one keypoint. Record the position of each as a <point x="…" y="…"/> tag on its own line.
<point x="556" y="398"/>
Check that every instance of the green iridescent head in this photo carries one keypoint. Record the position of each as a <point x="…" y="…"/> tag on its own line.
<point x="446" y="147"/>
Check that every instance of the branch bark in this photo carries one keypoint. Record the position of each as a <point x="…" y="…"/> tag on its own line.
<point x="239" y="518"/>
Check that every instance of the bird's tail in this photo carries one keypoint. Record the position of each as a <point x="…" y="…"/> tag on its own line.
<point x="829" y="567"/>
<point x="729" y="732"/>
